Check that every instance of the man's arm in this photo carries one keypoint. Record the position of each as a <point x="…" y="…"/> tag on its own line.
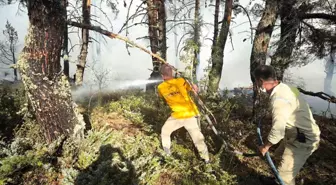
<point x="281" y="110"/>
<point x="191" y="86"/>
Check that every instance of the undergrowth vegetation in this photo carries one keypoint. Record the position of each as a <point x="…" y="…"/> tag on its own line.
<point x="12" y="107"/>
<point x="122" y="146"/>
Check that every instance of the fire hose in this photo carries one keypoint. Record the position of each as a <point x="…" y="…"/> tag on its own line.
<point x="236" y="152"/>
<point x="267" y="155"/>
<point x="206" y="112"/>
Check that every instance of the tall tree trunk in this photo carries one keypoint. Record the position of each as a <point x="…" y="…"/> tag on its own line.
<point x="263" y="35"/>
<point x="157" y="36"/>
<point x="261" y="42"/>
<point x="14" y="62"/>
<point x="39" y="63"/>
<point x="86" y="8"/>
<point x="289" y="26"/>
<point x="330" y="67"/>
<point x="65" y="47"/>
<point x="216" y="22"/>
<point x="217" y="54"/>
<point x="197" y="49"/>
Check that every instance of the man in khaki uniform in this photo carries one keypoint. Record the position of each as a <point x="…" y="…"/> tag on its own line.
<point x="292" y="121"/>
<point x="184" y="111"/>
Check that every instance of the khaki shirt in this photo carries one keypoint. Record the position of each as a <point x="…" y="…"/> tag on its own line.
<point x="289" y="112"/>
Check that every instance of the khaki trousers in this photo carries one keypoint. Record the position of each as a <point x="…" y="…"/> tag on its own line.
<point x="294" y="156"/>
<point x="191" y="125"/>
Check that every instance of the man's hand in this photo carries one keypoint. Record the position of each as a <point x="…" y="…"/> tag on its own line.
<point x="264" y="148"/>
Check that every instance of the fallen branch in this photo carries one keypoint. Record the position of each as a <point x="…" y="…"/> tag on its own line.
<point x="114" y="36"/>
<point x="329" y="17"/>
<point x="321" y="95"/>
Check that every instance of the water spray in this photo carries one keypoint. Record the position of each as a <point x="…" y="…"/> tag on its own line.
<point x="84" y="92"/>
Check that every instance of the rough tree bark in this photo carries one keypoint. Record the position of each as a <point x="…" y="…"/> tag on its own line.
<point x="196" y="59"/>
<point x="157" y="36"/>
<point x="86" y="8"/>
<point x="263" y="35"/>
<point x="39" y="63"/>
<point x="261" y="43"/>
<point x="217" y="53"/>
<point x="216" y="23"/>
<point x="289" y="27"/>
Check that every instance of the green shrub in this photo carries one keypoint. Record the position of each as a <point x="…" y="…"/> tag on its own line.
<point x="12" y="108"/>
<point x="110" y="155"/>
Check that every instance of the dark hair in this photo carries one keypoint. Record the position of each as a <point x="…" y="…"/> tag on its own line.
<point x="264" y="72"/>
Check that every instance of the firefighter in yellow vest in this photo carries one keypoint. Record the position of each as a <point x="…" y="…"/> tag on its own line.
<point x="184" y="111"/>
<point x="292" y="122"/>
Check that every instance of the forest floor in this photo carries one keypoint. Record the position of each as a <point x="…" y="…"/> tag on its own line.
<point x="122" y="146"/>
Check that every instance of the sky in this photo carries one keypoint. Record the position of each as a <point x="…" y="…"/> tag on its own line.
<point x="114" y="57"/>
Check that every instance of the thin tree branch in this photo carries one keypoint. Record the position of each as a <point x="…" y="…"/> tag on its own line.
<point x="321" y="95"/>
<point x="144" y="37"/>
<point x="100" y="9"/>
<point x="178" y="45"/>
<point x="318" y="16"/>
<point x="114" y="36"/>
<point x="99" y="23"/>
<point x="5" y="62"/>
<point x="230" y="35"/>
<point x="248" y="16"/>
<point x="73" y="47"/>
<point x="128" y="18"/>
<point x="168" y="30"/>
<point x="133" y="25"/>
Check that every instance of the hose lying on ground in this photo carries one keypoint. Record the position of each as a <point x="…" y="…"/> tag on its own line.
<point x="267" y="155"/>
<point x="227" y="148"/>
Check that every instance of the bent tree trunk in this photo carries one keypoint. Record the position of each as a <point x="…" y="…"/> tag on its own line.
<point x="217" y="54"/>
<point x="157" y="36"/>
<point x="86" y="7"/>
<point x="39" y="63"/>
<point x="289" y="26"/>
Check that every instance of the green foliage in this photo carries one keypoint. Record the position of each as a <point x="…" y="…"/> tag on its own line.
<point x="123" y="147"/>
<point x="12" y="108"/>
<point x="30" y="130"/>
<point x="119" y="151"/>
<point x="19" y="155"/>
<point x="129" y="107"/>
<point x="109" y="154"/>
<point x="12" y="163"/>
<point x="140" y="108"/>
